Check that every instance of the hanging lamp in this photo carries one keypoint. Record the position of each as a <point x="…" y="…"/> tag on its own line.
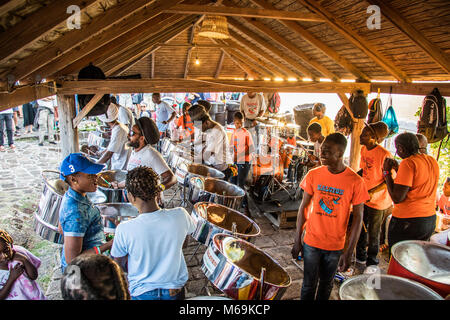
<point x="215" y="27"/>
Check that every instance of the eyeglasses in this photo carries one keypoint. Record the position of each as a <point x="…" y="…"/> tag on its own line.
<point x="133" y="133"/>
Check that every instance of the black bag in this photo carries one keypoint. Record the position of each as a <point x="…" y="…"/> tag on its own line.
<point x="358" y="104"/>
<point x="433" y="117"/>
<point x="375" y="111"/>
<point x="343" y="122"/>
<point x="92" y="72"/>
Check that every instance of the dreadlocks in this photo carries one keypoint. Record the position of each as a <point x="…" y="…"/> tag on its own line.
<point x="143" y="182"/>
<point x="94" y="277"/>
<point x="8" y="240"/>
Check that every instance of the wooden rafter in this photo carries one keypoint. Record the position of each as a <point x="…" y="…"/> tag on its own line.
<point x="358" y="41"/>
<point x="35" y="25"/>
<point x="108" y="49"/>
<point x="248" y="72"/>
<point x="274" y="71"/>
<point x="152" y="74"/>
<point x="300" y="69"/>
<point x="26" y="94"/>
<point x="433" y="51"/>
<point x="219" y="65"/>
<point x="331" y="53"/>
<point x="244" y="12"/>
<point x="188" y="55"/>
<point x="73" y="38"/>
<point x="143" y="49"/>
<point x="256" y="50"/>
<point x="6" y="6"/>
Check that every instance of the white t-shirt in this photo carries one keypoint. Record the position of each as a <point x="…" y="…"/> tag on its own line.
<point x="7" y="111"/>
<point x="125" y="116"/>
<point x="216" y="142"/>
<point x="149" y="157"/>
<point x="251" y="107"/>
<point x="163" y="113"/>
<point x="48" y="102"/>
<point x="117" y="144"/>
<point x="153" y="242"/>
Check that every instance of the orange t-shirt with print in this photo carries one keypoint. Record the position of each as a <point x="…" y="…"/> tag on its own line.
<point x="420" y="172"/>
<point x="332" y="197"/>
<point x="242" y="143"/>
<point x="186" y="123"/>
<point x="372" y="165"/>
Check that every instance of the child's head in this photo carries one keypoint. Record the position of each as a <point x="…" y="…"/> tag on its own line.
<point x="238" y="119"/>
<point x="94" y="277"/>
<point x="319" y="110"/>
<point x="333" y="148"/>
<point x="80" y="172"/>
<point x="6" y="243"/>
<point x="186" y="107"/>
<point x="314" y="131"/>
<point x="373" y="133"/>
<point x="143" y="183"/>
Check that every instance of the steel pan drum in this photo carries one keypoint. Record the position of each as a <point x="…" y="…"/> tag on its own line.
<point x="216" y="191"/>
<point x="384" y="287"/>
<point x="211" y="219"/>
<point x="47" y="215"/>
<point x="165" y="143"/>
<point x="119" y="211"/>
<point x="197" y="170"/>
<point x="112" y="195"/>
<point x="422" y="261"/>
<point x="234" y="266"/>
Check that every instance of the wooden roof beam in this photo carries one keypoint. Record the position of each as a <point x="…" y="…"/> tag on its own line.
<point x="219" y="65"/>
<point x="244" y="12"/>
<point x="433" y="51"/>
<point x="305" y="34"/>
<point x="358" y="41"/>
<point x="7" y="5"/>
<point x="35" y="25"/>
<point x="26" y="94"/>
<point x="262" y="42"/>
<point x="73" y="38"/>
<point x="257" y="51"/>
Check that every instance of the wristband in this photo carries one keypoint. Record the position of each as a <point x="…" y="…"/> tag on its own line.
<point x="386" y="173"/>
<point x="97" y="250"/>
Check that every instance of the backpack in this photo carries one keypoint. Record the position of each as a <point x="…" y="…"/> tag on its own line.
<point x="274" y="103"/>
<point x="433" y="117"/>
<point x="391" y="120"/>
<point x="358" y="104"/>
<point x="343" y="122"/>
<point x="375" y="111"/>
<point x="93" y="72"/>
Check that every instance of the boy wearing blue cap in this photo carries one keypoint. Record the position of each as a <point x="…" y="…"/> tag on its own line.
<point x="80" y="221"/>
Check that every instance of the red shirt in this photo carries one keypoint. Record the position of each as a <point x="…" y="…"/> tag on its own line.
<point x="332" y="197"/>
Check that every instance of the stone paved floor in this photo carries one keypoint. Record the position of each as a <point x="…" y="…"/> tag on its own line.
<point x="20" y="189"/>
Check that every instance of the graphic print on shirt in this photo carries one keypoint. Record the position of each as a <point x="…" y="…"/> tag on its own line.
<point x="329" y="199"/>
<point x="252" y="107"/>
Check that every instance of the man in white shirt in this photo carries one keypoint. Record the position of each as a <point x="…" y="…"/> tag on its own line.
<point x="125" y="115"/>
<point x="117" y="149"/>
<point x="252" y="107"/>
<point x="46" y="119"/>
<point x="164" y="113"/>
<point x="213" y="140"/>
<point x="142" y="135"/>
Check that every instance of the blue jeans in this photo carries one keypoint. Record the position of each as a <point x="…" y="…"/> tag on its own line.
<point x="239" y="180"/>
<point x="159" y="294"/>
<point x="320" y="266"/>
<point x="7" y="119"/>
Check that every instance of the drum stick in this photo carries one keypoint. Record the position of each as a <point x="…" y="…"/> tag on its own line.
<point x="365" y="229"/>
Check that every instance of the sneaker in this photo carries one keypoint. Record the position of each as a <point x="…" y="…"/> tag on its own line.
<point x="41" y="144"/>
<point x="12" y="146"/>
<point x="2" y="148"/>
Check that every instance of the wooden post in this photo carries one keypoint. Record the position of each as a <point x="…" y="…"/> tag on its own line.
<point x="68" y="133"/>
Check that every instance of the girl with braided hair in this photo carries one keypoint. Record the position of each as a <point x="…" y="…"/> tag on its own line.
<point x="94" y="277"/>
<point x="18" y="271"/>
<point x="149" y="247"/>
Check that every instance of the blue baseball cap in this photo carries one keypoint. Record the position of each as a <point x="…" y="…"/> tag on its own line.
<point x="78" y="162"/>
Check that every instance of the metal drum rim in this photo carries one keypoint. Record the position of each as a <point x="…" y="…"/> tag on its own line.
<point x="115" y="203"/>
<point x="204" y="165"/>
<point x="48" y="184"/>
<point x="401" y="243"/>
<point x="226" y="182"/>
<point x="406" y="280"/>
<point x="258" y="229"/>
<point x="114" y="189"/>
<point x="213" y="242"/>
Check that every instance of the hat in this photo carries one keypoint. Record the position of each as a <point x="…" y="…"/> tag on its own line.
<point x="77" y="162"/>
<point x="149" y="129"/>
<point x="111" y="114"/>
<point x="197" y="113"/>
<point x="206" y="104"/>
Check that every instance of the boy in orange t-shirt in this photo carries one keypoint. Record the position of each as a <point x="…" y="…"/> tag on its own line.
<point x="242" y="144"/>
<point x="413" y="191"/>
<point x="380" y="204"/>
<point x="185" y="123"/>
<point x="333" y="189"/>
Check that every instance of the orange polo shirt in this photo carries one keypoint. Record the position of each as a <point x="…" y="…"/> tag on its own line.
<point x="420" y="172"/>
<point x="242" y="143"/>
<point x="186" y="123"/>
<point x="372" y="165"/>
<point x="332" y="197"/>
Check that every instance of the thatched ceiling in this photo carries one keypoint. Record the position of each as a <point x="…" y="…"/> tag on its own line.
<point x="158" y="39"/>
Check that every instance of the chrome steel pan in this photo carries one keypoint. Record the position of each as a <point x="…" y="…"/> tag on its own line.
<point x="116" y="211"/>
<point x="112" y="194"/>
<point x="216" y="191"/>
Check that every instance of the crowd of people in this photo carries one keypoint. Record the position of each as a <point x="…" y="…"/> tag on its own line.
<point x="341" y="211"/>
